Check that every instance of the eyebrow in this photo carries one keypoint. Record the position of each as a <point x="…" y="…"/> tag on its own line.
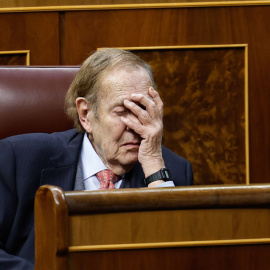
<point x="118" y="103"/>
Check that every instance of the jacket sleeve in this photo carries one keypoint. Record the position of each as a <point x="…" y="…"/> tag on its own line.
<point x="189" y="174"/>
<point x="180" y="168"/>
<point x="8" y="208"/>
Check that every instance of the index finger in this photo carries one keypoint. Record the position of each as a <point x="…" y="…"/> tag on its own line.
<point x="156" y="97"/>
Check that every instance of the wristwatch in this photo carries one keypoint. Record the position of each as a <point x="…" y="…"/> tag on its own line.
<point x="163" y="174"/>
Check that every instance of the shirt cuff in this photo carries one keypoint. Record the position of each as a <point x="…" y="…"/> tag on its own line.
<point x="166" y="184"/>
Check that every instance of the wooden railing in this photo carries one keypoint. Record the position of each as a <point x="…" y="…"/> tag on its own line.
<point x="200" y="227"/>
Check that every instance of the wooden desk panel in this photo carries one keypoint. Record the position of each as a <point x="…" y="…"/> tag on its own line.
<point x="190" y="227"/>
<point x="37" y="32"/>
<point x="171" y="228"/>
<point x="192" y="258"/>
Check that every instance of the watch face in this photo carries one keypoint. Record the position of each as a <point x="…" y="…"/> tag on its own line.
<point x="167" y="173"/>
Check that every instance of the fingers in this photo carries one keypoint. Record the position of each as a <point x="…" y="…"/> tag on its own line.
<point x="136" y="110"/>
<point x="136" y="126"/>
<point x="145" y="108"/>
<point x="155" y="95"/>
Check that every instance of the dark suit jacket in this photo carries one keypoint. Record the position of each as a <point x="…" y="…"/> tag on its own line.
<point x="29" y="161"/>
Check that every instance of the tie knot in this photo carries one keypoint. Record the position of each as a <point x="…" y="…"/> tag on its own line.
<point x="107" y="179"/>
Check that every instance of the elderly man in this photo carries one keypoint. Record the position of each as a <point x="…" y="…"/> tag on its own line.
<point x="116" y="144"/>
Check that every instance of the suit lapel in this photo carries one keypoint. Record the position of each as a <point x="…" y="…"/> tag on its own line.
<point x="62" y="169"/>
<point x="134" y="178"/>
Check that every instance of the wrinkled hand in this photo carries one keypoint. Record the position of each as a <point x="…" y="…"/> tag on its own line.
<point x="148" y="123"/>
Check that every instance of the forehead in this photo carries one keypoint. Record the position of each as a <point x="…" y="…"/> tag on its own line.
<point x="124" y="82"/>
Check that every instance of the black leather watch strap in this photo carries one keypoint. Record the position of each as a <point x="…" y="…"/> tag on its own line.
<point x="163" y="174"/>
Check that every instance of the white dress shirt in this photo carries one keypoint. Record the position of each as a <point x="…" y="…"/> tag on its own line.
<point x="89" y="169"/>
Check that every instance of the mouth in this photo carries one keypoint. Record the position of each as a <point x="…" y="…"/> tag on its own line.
<point x="131" y="145"/>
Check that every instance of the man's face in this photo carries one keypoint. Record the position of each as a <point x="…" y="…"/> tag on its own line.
<point x="116" y="144"/>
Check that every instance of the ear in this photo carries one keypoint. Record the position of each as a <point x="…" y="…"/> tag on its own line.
<point x="85" y="113"/>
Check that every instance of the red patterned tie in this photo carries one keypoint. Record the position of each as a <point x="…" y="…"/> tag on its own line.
<point x="107" y="179"/>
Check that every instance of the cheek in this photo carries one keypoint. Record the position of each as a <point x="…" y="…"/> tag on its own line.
<point x="118" y="128"/>
<point x="114" y="131"/>
<point x="112" y="138"/>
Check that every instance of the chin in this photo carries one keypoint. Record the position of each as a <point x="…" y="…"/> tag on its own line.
<point x="130" y="159"/>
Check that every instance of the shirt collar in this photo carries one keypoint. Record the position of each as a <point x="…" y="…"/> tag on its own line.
<point x="90" y="160"/>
